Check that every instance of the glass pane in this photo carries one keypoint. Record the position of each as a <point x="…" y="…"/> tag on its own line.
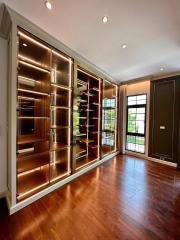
<point x="141" y="97"/>
<point x="131" y="110"/>
<point x="140" y="117"/>
<point x="131" y="103"/>
<point x="140" y="127"/>
<point x="133" y="98"/>
<point x="141" y="102"/>
<point x="132" y="126"/>
<point x="141" y="110"/>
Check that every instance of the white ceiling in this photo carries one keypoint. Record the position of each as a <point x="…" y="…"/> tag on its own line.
<point x="151" y="29"/>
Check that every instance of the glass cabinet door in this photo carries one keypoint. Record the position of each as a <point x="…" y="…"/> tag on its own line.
<point x="33" y="119"/>
<point x="44" y="93"/>
<point x="109" y="118"/>
<point x="86" y="119"/>
<point x="60" y="112"/>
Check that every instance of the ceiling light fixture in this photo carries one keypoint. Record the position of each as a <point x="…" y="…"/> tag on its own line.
<point x="124" y="46"/>
<point x="161" y="69"/>
<point x="48" y="5"/>
<point x="104" y="19"/>
<point x="24" y="44"/>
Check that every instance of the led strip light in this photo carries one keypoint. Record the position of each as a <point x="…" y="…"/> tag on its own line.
<point x="35" y="67"/>
<point x="33" y="40"/>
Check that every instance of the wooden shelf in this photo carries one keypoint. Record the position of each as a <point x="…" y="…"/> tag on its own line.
<point x="30" y="139"/>
<point x="60" y="107"/>
<point x="94" y="132"/>
<point x="85" y="140"/>
<point x="79" y="150"/>
<point x="32" y="182"/>
<point x="58" y="170"/>
<point x="59" y="127"/>
<point x="56" y="146"/>
<point x="55" y="85"/>
<point x="31" y="63"/>
<point x="81" y="135"/>
<point x="82" y="162"/>
<point x="93" y="146"/>
<point x="33" y="161"/>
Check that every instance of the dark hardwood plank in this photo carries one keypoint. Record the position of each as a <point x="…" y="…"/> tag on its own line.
<point x="125" y="198"/>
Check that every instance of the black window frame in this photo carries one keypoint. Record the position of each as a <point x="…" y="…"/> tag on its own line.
<point x="136" y="134"/>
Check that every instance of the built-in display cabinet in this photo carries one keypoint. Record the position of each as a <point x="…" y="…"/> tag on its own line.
<point x="62" y="114"/>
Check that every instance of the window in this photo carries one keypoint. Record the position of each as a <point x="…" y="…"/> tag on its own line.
<point x="136" y="123"/>
<point x="108" y="121"/>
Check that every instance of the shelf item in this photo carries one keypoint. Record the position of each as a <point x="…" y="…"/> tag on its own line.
<point x="86" y="140"/>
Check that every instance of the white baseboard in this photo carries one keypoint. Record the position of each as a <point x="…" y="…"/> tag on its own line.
<point x="138" y="155"/>
<point x="19" y="206"/>
<point x="163" y="162"/>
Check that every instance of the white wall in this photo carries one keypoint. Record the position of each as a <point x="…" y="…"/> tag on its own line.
<point x="3" y="117"/>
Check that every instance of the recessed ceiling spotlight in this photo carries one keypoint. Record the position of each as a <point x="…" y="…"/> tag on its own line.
<point x="24" y="44"/>
<point x="48" y="5"/>
<point x="124" y="46"/>
<point x="105" y="19"/>
<point x="161" y="69"/>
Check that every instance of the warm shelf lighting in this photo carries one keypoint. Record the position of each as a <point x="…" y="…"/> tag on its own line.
<point x="61" y="176"/>
<point x="27" y="98"/>
<point x="88" y="74"/>
<point x="33" y="117"/>
<point x="29" y="91"/>
<point x="33" y="40"/>
<point x="32" y="190"/>
<point x="61" y="56"/>
<point x="32" y="66"/>
<point x="29" y="60"/>
<point x="59" y="86"/>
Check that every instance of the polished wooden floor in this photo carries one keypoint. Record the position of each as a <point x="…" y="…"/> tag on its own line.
<point x="126" y="198"/>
